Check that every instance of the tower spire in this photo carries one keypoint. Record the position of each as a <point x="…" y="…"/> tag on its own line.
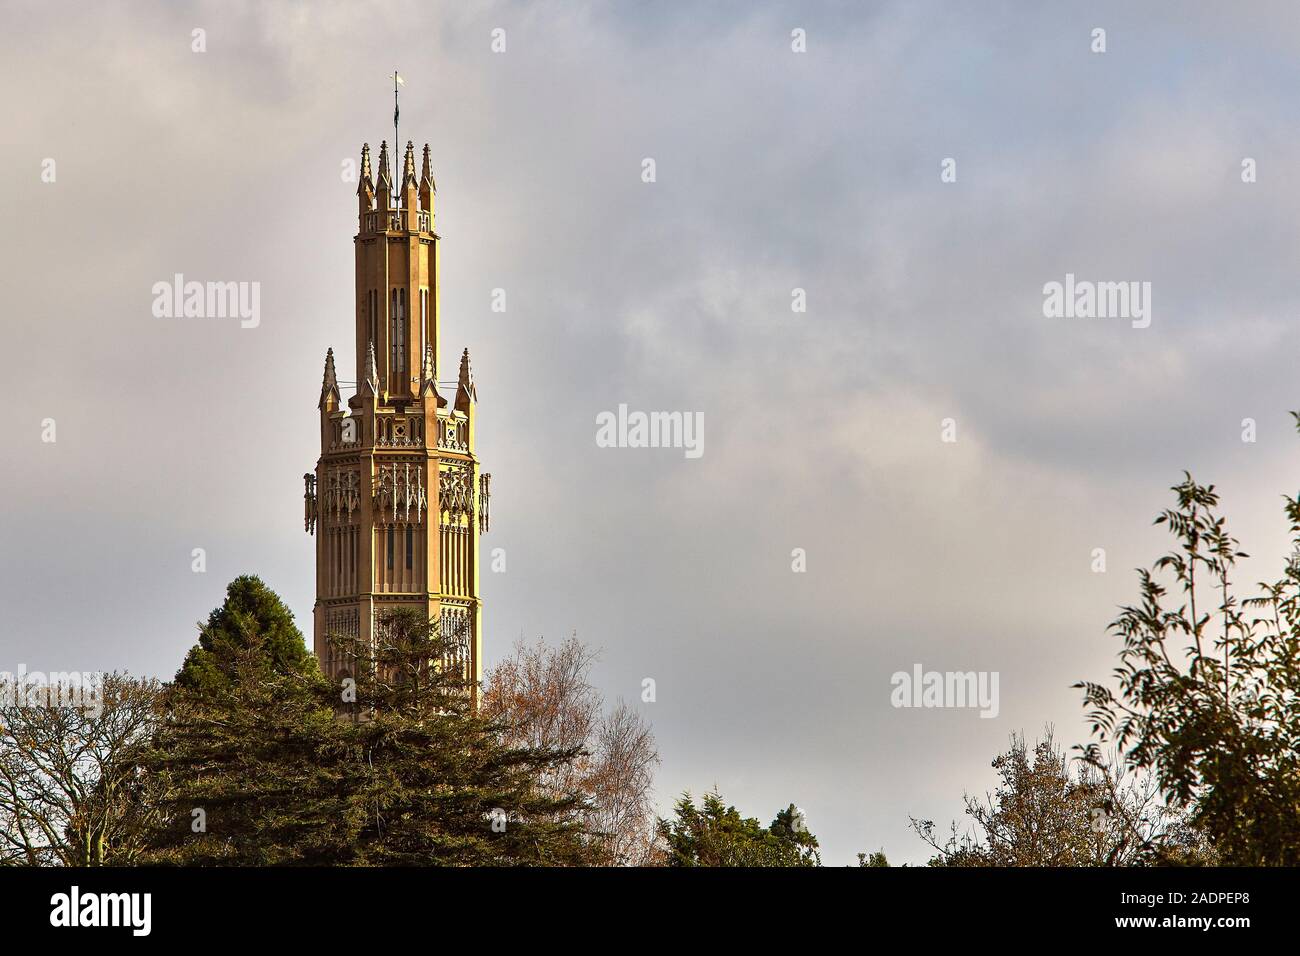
<point x="329" y="388"/>
<point x="398" y="494"/>
<point x="365" y="185"/>
<point x="366" y="179"/>
<point x="408" y="166"/>
<point x="427" y="186"/>
<point x="384" y="187"/>
<point x="370" y="385"/>
<point x="466" y="393"/>
<point x="409" y="198"/>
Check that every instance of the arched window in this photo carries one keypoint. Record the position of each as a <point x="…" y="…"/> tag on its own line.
<point x="410" y="547"/>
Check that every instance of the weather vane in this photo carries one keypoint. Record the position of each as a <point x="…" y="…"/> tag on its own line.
<point x="397" y="81"/>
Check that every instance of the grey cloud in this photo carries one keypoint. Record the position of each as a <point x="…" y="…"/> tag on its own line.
<point x="775" y="171"/>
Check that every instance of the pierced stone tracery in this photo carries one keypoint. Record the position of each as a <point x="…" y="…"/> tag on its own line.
<point x="399" y="493"/>
<point x="455" y="624"/>
<point x="455" y="496"/>
<point x="341" y="497"/>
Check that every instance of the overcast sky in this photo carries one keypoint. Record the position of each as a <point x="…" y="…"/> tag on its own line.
<point x="775" y="170"/>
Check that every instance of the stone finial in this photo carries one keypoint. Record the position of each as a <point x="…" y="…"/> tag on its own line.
<point x="370" y="385"/>
<point x="466" y="392"/>
<point x="385" y="178"/>
<point x="366" y="179"/>
<point x="408" y="167"/>
<point x="426" y="171"/>
<point x="329" y="387"/>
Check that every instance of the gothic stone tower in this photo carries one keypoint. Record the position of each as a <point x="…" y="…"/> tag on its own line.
<point x="397" y="501"/>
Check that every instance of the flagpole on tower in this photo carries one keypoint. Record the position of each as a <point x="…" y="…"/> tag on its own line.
<point x="397" y="81"/>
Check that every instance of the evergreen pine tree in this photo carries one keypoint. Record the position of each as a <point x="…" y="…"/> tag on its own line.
<point x="252" y="614"/>
<point x="260" y="760"/>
